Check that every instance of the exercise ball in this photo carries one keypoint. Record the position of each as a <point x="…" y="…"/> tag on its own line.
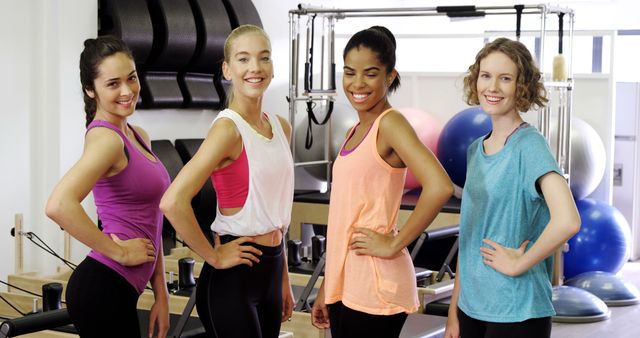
<point x="612" y="289"/>
<point x="456" y="136"/>
<point x="575" y="305"/>
<point x="342" y="118"/>
<point x="427" y="129"/>
<point x="602" y="244"/>
<point x="587" y="157"/>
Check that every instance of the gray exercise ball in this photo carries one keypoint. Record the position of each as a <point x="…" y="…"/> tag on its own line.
<point x="342" y="119"/>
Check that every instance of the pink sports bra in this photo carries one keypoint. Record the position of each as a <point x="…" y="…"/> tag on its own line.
<point x="232" y="183"/>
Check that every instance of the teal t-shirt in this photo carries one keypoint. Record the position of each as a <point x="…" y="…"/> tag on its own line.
<point x="502" y="202"/>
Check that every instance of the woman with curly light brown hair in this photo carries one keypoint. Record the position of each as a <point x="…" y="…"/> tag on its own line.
<point x="517" y="209"/>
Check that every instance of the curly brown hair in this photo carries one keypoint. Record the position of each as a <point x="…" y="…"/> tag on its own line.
<point x="530" y="90"/>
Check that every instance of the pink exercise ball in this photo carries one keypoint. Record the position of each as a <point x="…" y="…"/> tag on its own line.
<point x="428" y="129"/>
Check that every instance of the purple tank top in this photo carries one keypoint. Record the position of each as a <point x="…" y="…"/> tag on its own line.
<point x="128" y="205"/>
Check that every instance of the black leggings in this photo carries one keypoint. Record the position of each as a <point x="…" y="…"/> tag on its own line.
<point x="530" y="328"/>
<point x="349" y="323"/>
<point x="101" y="302"/>
<point x="243" y="301"/>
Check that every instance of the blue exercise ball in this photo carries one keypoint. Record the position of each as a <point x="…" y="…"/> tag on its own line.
<point x="459" y="132"/>
<point x="602" y="244"/>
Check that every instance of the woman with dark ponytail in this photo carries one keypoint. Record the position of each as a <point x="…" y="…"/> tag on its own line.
<point x="127" y="181"/>
<point x="369" y="285"/>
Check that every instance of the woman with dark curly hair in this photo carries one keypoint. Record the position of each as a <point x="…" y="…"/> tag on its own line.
<point x="517" y="209"/>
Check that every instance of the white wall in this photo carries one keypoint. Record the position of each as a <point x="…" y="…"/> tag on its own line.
<point x="43" y="121"/>
<point x="627" y="191"/>
<point x="14" y="130"/>
<point x="40" y="41"/>
<point x="41" y="135"/>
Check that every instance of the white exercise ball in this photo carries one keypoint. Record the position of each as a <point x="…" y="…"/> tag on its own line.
<point x="588" y="157"/>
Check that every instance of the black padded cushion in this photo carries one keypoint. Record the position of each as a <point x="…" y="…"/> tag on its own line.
<point x="171" y="160"/>
<point x="129" y="20"/>
<point x="168" y="155"/>
<point x="242" y="12"/>
<point x="433" y="254"/>
<point x="200" y="84"/>
<point x="438" y="308"/>
<point x="187" y="147"/>
<point x="213" y="27"/>
<point x="175" y="34"/>
<point x="204" y="203"/>
<point x="174" y="44"/>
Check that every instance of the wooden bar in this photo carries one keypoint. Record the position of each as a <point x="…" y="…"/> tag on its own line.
<point x="19" y="258"/>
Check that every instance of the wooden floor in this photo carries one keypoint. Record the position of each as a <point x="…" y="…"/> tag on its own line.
<point x="624" y="321"/>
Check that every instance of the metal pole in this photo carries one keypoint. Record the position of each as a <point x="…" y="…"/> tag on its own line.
<point x="543" y="30"/>
<point x="296" y="67"/>
<point x="561" y="141"/>
<point x="543" y="122"/>
<point x="570" y="58"/>
<point x="543" y="114"/>
<point x="322" y="42"/>
<point x="568" y="119"/>
<point x="332" y="53"/>
<point x="294" y="43"/>
<point x="332" y="81"/>
<point x="410" y="10"/>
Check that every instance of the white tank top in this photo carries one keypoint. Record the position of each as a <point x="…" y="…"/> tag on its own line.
<point x="270" y="195"/>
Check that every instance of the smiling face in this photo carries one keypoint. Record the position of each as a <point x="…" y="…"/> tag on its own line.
<point x="365" y="80"/>
<point x="496" y="84"/>
<point x="249" y="65"/>
<point x="116" y="88"/>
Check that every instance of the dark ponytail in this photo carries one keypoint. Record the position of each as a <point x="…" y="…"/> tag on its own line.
<point x="95" y="51"/>
<point x="382" y="42"/>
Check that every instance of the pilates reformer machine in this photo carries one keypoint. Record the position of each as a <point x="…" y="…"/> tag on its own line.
<point x="34" y="303"/>
<point x="319" y="78"/>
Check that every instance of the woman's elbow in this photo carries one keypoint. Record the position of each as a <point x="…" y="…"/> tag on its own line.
<point x="444" y="189"/>
<point x="53" y="209"/>
<point x="448" y="189"/>
<point x="569" y="226"/>
<point x="170" y="204"/>
<point x="167" y="205"/>
<point x="574" y="225"/>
